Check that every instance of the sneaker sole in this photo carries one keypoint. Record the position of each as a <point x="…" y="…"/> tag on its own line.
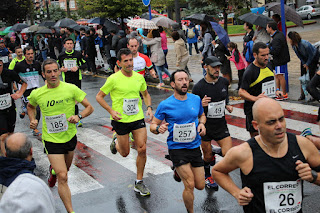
<point x="216" y="188"/>
<point x="142" y="194"/>
<point x="113" y="151"/>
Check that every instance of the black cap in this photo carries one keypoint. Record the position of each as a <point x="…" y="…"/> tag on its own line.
<point x="212" y="61"/>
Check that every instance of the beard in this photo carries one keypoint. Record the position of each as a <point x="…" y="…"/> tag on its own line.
<point x="180" y="92"/>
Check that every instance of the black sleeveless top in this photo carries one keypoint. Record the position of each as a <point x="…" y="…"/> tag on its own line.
<point x="270" y="169"/>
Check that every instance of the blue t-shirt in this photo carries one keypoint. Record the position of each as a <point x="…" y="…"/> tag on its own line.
<point x="180" y="112"/>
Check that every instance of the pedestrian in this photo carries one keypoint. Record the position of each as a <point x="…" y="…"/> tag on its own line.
<point x="182" y="57"/>
<point x="177" y="27"/>
<point x="185" y="121"/>
<point x="126" y="113"/>
<point x="280" y="57"/>
<point x="207" y="49"/>
<point x="238" y="60"/>
<point x="56" y="100"/>
<point x="5" y="55"/>
<point x="277" y="19"/>
<point x="43" y="47"/>
<point x="91" y="52"/>
<point x="222" y="53"/>
<point x="308" y="55"/>
<point x="213" y="91"/>
<point x="248" y="43"/>
<point x="192" y="38"/>
<point x="12" y="45"/>
<point x="122" y="42"/>
<point x="164" y="44"/>
<point x="157" y="55"/>
<point x="273" y="165"/>
<point x="261" y="35"/>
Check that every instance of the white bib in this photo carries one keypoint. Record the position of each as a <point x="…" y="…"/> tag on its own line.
<point x="31" y="78"/>
<point x="285" y="196"/>
<point x="130" y="106"/>
<point x="56" y="123"/>
<point x="216" y="109"/>
<point x="5" y="101"/>
<point x="69" y="64"/>
<point x="269" y="88"/>
<point x="4" y="59"/>
<point x="184" y="132"/>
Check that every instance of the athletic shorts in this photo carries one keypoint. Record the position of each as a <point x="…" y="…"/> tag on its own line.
<point x="281" y="70"/>
<point x="180" y="157"/>
<point x="60" y="148"/>
<point x="249" y="126"/>
<point x="215" y="132"/>
<point x="7" y="121"/>
<point x="126" y="128"/>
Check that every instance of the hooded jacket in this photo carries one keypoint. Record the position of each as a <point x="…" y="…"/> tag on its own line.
<point x="181" y="50"/>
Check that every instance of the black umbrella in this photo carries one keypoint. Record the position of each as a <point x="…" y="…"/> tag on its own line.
<point x="256" y="19"/>
<point x="18" y="27"/>
<point x="44" y="31"/>
<point x="66" y="22"/>
<point x="48" y="23"/>
<point x="146" y="15"/>
<point x="77" y="27"/>
<point x="197" y="18"/>
<point x="111" y="26"/>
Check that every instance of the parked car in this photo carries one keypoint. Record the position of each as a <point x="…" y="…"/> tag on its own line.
<point x="309" y="11"/>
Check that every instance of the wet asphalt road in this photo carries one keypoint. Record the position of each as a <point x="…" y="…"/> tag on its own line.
<point x="115" y="192"/>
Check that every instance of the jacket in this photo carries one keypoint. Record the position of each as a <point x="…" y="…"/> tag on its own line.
<point x="237" y="59"/>
<point x="306" y="52"/>
<point x="181" y="50"/>
<point x="91" y="48"/>
<point x="156" y="50"/>
<point x="279" y="49"/>
<point x="195" y="38"/>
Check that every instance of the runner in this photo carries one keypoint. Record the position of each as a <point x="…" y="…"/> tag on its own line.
<point x="141" y="62"/>
<point x="4" y="54"/>
<point x="7" y="105"/>
<point x="258" y="82"/>
<point x="185" y="121"/>
<point x="56" y="100"/>
<point x="273" y="165"/>
<point x="126" y="112"/>
<point x="29" y="70"/>
<point x="20" y="57"/>
<point x="213" y="91"/>
<point x="70" y="62"/>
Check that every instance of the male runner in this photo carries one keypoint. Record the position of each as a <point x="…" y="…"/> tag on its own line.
<point x="273" y="165"/>
<point x="29" y="70"/>
<point x="126" y="112"/>
<point x="258" y="82"/>
<point x="56" y="100"/>
<point x="185" y="121"/>
<point x="70" y="62"/>
<point x="7" y="105"/>
<point x="4" y="54"/>
<point x="20" y="57"/>
<point x="213" y="91"/>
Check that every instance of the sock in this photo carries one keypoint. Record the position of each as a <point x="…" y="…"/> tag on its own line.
<point x="53" y="172"/>
<point x="207" y="169"/>
<point x="138" y="181"/>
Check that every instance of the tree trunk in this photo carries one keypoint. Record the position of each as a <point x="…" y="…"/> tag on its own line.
<point x="68" y="9"/>
<point x="225" y="18"/>
<point x="177" y="10"/>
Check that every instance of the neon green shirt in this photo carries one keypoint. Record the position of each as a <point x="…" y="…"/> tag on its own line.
<point x="54" y="102"/>
<point x="120" y="88"/>
<point x="14" y="61"/>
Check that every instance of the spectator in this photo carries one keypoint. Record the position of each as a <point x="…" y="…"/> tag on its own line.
<point x="12" y="45"/>
<point x="181" y="52"/>
<point x="164" y="45"/>
<point x="43" y="47"/>
<point x="277" y="19"/>
<point x="247" y="37"/>
<point x="192" y="38"/>
<point x="91" y="52"/>
<point x="122" y="42"/>
<point x="177" y="27"/>
<point x="261" y="35"/>
<point x="222" y="53"/>
<point x="237" y="59"/>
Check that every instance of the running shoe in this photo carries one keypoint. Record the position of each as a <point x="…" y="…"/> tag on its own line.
<point x="52" y="178"/>
<point x="211" y="184"/>
<point x="141" y="188"/>
<point x="22" y="114"/>
<point x="279" y="98"/>
<point x="113" y="144"/>
<point x="285" y="96"/>
<point x="306" y="132"/>
<point x="176" y="176"/>
<point x="36" y="132"/>
<point x="79" y="124"/>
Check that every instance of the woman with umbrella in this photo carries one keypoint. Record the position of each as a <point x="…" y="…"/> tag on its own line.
<point x="307" y="53"/>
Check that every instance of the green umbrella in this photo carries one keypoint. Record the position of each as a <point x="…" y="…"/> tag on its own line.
<point x="6" y="31"/>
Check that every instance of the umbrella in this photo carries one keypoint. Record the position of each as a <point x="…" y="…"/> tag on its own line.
<point x="66" y="22"/>
<point x="18" y="27"/>
<point x="163" y="21"/>
<point x="96" y="20"/>
<point x="35" y="28"/>
<point x="146" y="15"/>
<point x="77" y="27"/>
<point x="222" y="34"/>
<point x="47" y="23"/>
<point x="6" y="31"/>
<point x="256" y="19"/>
<point x="142" y="23"/>
<point x="25" y="30"/>
<point x="44" y="31"/>
<point x="200" y="17"/>
<point x="111" y="25"/>
<point x="291" y="14"/>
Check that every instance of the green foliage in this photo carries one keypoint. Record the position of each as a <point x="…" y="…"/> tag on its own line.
<point x="56" y="13"/>
<point x="15" y="11"/>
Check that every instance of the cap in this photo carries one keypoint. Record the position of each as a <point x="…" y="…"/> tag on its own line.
<point x="121" y="33"/>
<point x="212" y="61"/>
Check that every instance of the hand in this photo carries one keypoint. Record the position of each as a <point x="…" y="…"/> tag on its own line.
<point x="244" y="197"/>
<point x="33" y="124"/>
<point x="149" y="113"/>
<point x="228" y="57"/>
<point x="63" y="69"/>
<point x="262" y="95"/>
<point x="279" y="93"/>
<point x="116" y="115"/>
<point x="163" y="128"/>
<point x="74" y="69"/>
<point x="201" y="129"/>
<point x="16" y="96"/>
<point x="73" y="119"/>
<point x="229" y="108"/>
<point x="304" y="171"/>
<point x="205" y="101"/>
<point x="306" y="67"/>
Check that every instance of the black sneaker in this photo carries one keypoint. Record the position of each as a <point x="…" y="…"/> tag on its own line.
<point x="176" y="176"/>
<point x="113" y="144"/>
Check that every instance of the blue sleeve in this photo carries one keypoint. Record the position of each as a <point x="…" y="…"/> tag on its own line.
<point x="311" y="53"/>
<point x="160" y="113"/>
<point x="201" y="110"/>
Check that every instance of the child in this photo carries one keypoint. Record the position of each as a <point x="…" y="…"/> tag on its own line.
<point x="237" y="59"/>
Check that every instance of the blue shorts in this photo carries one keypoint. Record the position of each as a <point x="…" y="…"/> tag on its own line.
<point x="281" y="70"/>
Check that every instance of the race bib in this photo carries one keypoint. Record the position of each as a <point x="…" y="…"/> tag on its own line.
<point x="130" y="106"/>
<point x="216" y="109"/>
<point x="69" y="64"/>
<point x="269" y="88"/>
<point x="56" y="123"/>
<point x="184" y="132"/>
<point x="31" y="78"/>
<point x="285" y="196"/>
<point x="5" y="101"/>
<point x="4" y="59"/>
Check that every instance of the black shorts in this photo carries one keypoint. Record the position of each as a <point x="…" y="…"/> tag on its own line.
<point x="60" y="148"/>
<point x="126" y="128"/>
<point x="180" y="157"/>
<point x="7" y="121"/>
<point x="216" y="132"/>
<point x="249" y="126"/>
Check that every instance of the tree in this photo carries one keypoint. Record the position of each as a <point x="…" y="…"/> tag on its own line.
<point x="56" y="12"/>
<point x="15" y="11"/>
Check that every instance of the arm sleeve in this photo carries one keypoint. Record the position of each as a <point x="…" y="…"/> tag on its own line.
<point x="246" y="80"/>
<point x="143" y="85"/>
<point x="149" y="42"/>
<point x="32" y="99"/>
<point x="160" y="113"/>
<point x="108" y="86"/>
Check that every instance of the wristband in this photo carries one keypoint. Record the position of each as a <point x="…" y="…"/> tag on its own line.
<point x="202" y="123"/>
<point x="150" y="107"/>
<point x="80" y="116"/>
<point x="314" y="175"/>
<point x="277" y="89"/>
<point x="157" y="129"/>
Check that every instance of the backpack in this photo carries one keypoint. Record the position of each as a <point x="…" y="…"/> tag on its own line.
<point x="191" y="33"/>
<point x="249" y="53"/>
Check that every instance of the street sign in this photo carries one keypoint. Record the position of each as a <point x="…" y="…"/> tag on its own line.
<point x="146" y="2"/>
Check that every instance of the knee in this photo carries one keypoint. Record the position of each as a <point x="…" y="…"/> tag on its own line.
<point x="62" y="177"/>
<point x="189" y="185"/>
<point x="124" y="153"/>
<point x="200" y="185"/>
<point x="142" y="150"/>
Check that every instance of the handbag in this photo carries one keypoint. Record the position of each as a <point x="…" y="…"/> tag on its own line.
<point x="304" y="80"/>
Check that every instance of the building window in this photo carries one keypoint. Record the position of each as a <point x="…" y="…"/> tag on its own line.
<point x="62" y="5"/>
<point x="72" y="4"/>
